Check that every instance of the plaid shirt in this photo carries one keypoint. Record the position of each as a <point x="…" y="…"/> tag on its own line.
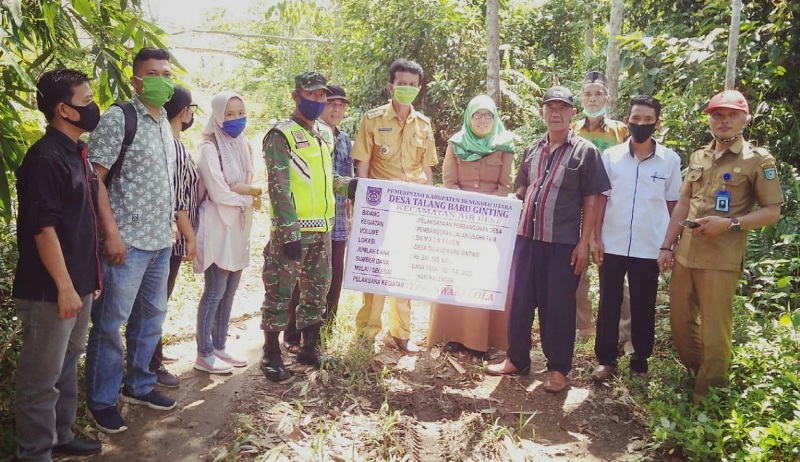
<point x="343" y="165"/>
<point x="557" y="182"/>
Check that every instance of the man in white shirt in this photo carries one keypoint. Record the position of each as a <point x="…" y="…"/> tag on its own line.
<point x="633" y="216"/>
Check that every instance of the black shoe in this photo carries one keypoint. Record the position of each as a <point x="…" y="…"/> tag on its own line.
<point x="165" y="379"/>
<point x="310" y="353"/>
<point x="153" y="400"/>
<point x="310" y="356"/>
<point x="273" y="368"/>
<point x="453" y="347"/>
<point x="79" y="447"/>
<point x="108" y="420"/>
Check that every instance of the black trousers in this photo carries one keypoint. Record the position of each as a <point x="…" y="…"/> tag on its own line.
<point x="643" y="282"/>
<point x="542" y="278"/>
<point x="174" y="266"/>
<point x="292" y="335"/>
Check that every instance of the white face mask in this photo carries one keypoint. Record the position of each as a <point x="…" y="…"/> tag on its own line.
<point x="599" y="113"/>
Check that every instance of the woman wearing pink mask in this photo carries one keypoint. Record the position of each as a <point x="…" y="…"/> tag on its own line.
<point x="228" y="194"/>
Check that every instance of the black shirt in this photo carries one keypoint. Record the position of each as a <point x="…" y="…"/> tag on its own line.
<point x="56" y="186"/>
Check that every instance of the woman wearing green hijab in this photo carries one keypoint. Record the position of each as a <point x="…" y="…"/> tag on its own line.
<point x="479" y="158"/>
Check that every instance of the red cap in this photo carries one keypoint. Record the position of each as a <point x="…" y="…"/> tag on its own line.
<point x="730" y="99"/>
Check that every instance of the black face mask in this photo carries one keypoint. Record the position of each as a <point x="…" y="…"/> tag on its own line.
<point x="641" y="132"/>
<point x="185" y="125"/>
<point x="90" y="116"/>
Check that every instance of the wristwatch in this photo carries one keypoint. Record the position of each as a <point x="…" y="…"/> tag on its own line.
<point x="734" y="226"/>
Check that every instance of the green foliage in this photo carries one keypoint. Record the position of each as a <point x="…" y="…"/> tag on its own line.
<point x="10" y="337"/>
<point x="676" y="51"/>
<point x="755" y="417"/>
<point x="99" y="38"/>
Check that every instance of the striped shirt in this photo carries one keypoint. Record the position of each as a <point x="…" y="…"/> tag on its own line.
<point x="185" y="191"/>
<point x="557" y="182"/>
<point x="343" y="165"/>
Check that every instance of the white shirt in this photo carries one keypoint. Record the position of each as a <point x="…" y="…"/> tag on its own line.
<point x="224" y="217"/>
<point x="636" y="217"/>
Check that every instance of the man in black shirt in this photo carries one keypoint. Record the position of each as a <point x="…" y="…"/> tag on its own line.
<point x="58" y="272"/>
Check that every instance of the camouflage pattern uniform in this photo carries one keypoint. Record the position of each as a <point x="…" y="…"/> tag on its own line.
<point x="313" y="271"/>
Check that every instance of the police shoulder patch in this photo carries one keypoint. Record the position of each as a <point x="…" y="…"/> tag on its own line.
<point x="770" y="173"/>
<point x="377" y="112"/>
<point x="423" y="117"/>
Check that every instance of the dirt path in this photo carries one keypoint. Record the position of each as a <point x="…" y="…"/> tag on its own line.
<point x="421" y="408"/>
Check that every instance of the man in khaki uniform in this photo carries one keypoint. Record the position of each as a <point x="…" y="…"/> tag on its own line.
<point x="725" y="181"/>
<point x="603" y="132"/>
<point x="394" y="142"/>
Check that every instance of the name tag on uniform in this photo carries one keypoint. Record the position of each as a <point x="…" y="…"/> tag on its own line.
<point x="385" y="129"/>
<point x="696" y="167"/>
<point x="300" y="139"/>
<point x="723" y="203"/>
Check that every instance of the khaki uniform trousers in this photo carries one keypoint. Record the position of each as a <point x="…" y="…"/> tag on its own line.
<point x="701" y="319"/>
<point x="368" y="317"/>
<point x="585" y="318"/>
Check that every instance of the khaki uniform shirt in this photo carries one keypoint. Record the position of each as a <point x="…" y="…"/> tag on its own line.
<point x="395" y="149"/>
<point x="753" y="179"/>
<point x="491" y="174"/>
<point x="610" y="132"/>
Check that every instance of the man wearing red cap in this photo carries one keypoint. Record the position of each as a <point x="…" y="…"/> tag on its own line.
<point x="725" y="181"/>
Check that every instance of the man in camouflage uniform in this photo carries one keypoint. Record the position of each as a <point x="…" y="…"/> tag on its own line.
<point x="301" y="179"/>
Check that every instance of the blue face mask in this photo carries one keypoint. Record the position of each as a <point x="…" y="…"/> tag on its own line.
<point x="311" y="110"/>
<point x="235" y="127"/>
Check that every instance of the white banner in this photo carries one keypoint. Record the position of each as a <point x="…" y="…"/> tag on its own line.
<point x="427" y="243"/>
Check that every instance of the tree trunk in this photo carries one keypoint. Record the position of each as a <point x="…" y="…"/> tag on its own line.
<point x="733" y="41"/>
<point x="612" y="63"/>
<point x="588" y="50"/>
<point x="493" y="50"/>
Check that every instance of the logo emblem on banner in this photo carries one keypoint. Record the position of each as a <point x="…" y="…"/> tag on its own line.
<point x="374" y="195"/>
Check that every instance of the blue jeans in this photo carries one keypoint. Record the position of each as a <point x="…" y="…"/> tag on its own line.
<point x="214" y="311"/>
<point x="134" y="292"/>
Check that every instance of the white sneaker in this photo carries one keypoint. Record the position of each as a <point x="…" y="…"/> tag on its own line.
<point x="212" y="365"/>
<point x="232" y="360"/>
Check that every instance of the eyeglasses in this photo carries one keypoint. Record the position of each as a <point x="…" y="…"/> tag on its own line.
<point x="483" y="115"/>
<point x="193" y="107"/>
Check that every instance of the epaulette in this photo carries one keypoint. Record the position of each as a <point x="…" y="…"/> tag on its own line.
<point x="377" y="112"/>
<point x="425" y="118"/>
<point x="763" y="152"/>
<point x="282" y="123"/>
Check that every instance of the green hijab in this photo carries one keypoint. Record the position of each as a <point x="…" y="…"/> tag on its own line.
<point x="468" y="146"/>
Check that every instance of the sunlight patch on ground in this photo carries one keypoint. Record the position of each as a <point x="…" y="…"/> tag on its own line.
<point x="194" y="404"/>
<point x="575" y="397"/>
<point x="407" y="363"/>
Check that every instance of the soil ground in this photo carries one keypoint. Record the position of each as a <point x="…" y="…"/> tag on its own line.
<point x="430" y="407"/>
<point x="407" y="408"/>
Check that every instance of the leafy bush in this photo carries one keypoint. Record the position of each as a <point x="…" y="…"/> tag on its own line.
<point x="10" y="339"/>
<point x="756" y="417"/>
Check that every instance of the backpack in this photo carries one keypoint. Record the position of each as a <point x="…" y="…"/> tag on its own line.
<point x="130" y="131"/>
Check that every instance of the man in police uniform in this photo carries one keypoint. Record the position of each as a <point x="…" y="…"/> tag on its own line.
<point x="725" y="181"/>
<point x="603" y="132"/>
<point x="394" y="142"/>
<point x="301" y="179"/>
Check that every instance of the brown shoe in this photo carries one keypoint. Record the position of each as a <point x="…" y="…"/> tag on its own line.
<point x="505" y="368"/>
<point x="555" y="382"/>
<point x="602" y="373"/>
<point x="406" y="346"/>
